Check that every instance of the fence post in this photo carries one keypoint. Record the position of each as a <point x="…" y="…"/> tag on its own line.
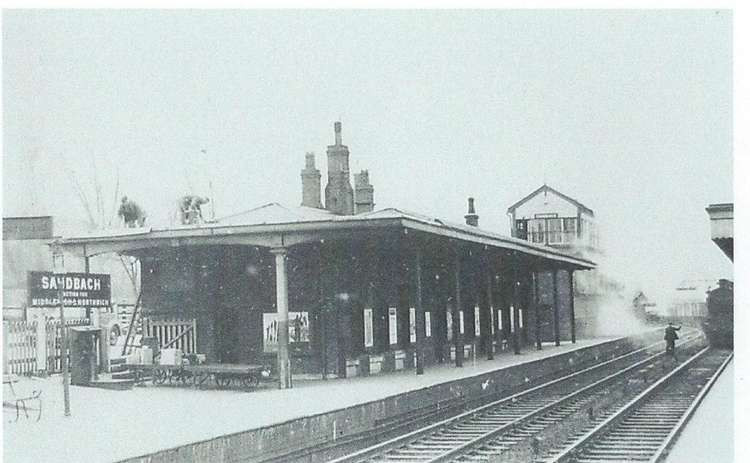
<point x="6" y="345"/>
<point x="41" y="345"/>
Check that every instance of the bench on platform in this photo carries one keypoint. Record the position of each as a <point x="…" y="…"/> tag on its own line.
<point x="21" y="403"/>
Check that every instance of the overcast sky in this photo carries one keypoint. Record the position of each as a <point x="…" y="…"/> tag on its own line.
<point x="628" y="112"/>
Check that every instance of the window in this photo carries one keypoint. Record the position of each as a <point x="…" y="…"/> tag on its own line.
<point x="427" y="325"/>
<point x="521" y="229"/>
<point x="537" y="230"/>
<point x="569" y="229"/>
<point x="555" y="230"/>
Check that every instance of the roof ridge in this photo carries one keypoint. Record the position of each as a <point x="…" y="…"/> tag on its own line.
<point x="257" y="208"/>
<point x="546" y="187"/>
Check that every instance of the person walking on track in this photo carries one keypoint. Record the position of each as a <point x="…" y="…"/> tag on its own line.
<point x="670" y="336"/>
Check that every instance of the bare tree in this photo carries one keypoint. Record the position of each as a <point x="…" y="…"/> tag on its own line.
<point x="98" y="215"/>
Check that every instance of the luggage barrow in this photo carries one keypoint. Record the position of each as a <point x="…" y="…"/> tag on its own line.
<point x="224" y="374"/>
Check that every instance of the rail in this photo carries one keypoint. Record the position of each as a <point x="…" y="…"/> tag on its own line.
<point x="479" y="436"/>
<point x="574" y="450"/>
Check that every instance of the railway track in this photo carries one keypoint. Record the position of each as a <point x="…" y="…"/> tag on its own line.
<point x="510" y="428"/>
<point x="646" y="427"/>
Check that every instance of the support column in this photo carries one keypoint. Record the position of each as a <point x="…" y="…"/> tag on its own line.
<point x="419" y="322"/>
<point x="458" y="341"/>
<point x="282" y="309"/>
<point x="515" y="302"/>
<point x="572" y="309"/>
<point x="535" y="306"/>
<point x="488" y="328"/>
<point x="87" y="270"/>
<point x="556" y="304"/>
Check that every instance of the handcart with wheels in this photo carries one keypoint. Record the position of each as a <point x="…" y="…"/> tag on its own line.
<point x="222" y="374"/>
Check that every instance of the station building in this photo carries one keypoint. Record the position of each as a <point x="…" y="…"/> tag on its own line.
<point x="340" y="287"/>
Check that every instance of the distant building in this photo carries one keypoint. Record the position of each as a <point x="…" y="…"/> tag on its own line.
<point x="689" y="299"/>
<point x="551" y="218"/>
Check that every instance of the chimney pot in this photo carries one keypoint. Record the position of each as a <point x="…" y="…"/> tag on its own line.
<point x="310" y="160"/>
<point x="472" y="218"/>
<point x="337" y="130"/>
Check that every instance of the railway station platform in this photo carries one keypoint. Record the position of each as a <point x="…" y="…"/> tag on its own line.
<point x="709" y="435"/>
<point x="231" y="425"/>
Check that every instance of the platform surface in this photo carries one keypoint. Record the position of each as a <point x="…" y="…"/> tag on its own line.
<point x="709" y="435"/>
<point x="110" y="425"/>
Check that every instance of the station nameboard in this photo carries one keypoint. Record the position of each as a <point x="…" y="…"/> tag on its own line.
<point x="79" y="289"/>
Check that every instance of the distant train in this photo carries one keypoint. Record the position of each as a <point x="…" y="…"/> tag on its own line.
<point x="719" y="323"/>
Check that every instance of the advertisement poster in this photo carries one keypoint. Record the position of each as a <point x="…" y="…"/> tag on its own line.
<point x="449" y="324"/>
<point x="368" y="328"/>
<point x="392" y="325"/>
<point x="492" y="320"/>
<point x="412" y="325"/>
<point x="299" y="330"/>
<point x="477" y="325"/>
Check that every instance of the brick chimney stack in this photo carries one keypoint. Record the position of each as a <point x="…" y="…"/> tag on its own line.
<point x="472" y="218"/>
<point x="311" y="183"/>
<point x="339" y="192"/>
<point x="363" y="193"/>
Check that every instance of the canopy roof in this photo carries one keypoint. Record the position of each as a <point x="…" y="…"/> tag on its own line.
<point x="275" y="225"/>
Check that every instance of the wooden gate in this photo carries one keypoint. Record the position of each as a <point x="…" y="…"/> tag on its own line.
<point x="174" y="333"/>
<point x="23" y="349"/>
<point x="54" y="343"/>
<point x="21" y="346"/>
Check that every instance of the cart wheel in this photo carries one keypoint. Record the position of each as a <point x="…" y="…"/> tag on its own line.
<point x="159" y="376"/>
<point x="222" y="381"/>
<point x="250" y="381"/>
<point x="186" y="377"/>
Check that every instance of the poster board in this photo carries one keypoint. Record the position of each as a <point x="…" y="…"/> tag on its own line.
<point x="449" y="324"/>
<point x="299" y="330"/>
<point x="492" y="320"/>
<point x="369" y="342"/>
<point x="392" y="325"/>
<point x="477" y="324"/>
<point x="412" y="325"/>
